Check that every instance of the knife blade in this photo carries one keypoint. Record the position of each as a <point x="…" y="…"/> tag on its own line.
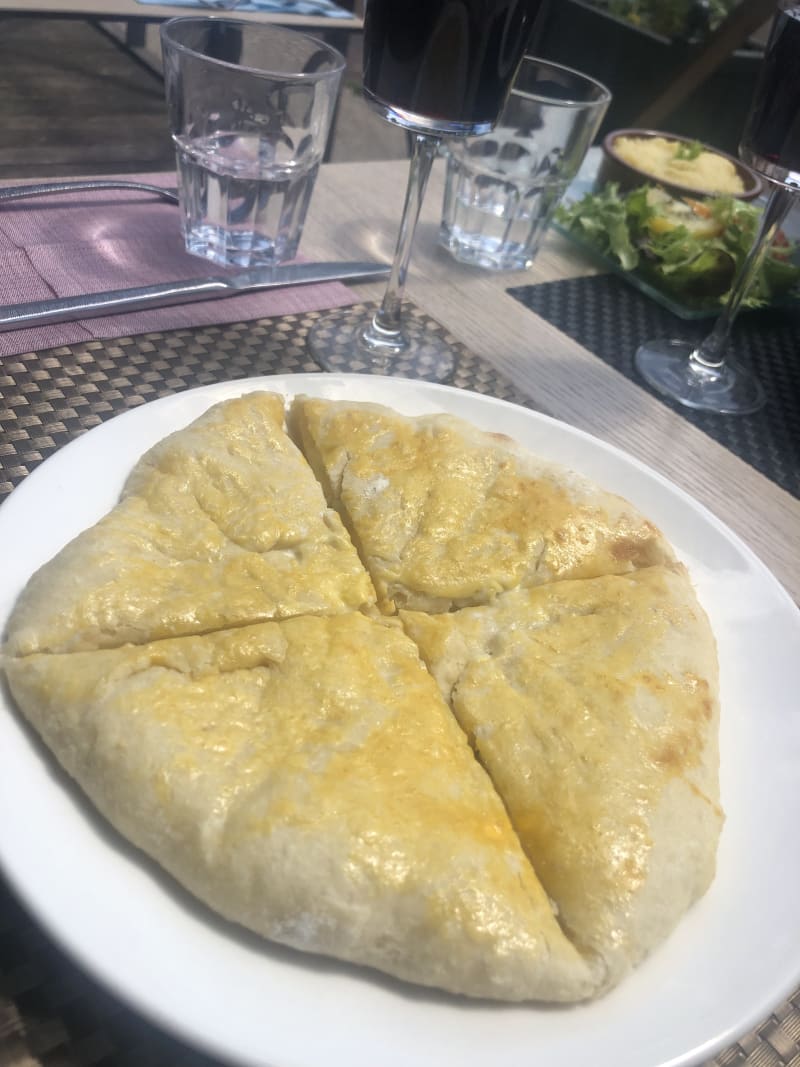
<point x="116" y="301"/>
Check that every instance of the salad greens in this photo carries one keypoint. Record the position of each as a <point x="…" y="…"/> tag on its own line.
<point x="673" y="18"/>
<point x="688" y="248"/>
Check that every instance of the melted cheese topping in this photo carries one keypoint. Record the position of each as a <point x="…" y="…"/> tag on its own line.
<point x="221" y="524"/>
<point x="306" y="778"/>
<point x="586" y="701"/>
<point x="445" y="516"/>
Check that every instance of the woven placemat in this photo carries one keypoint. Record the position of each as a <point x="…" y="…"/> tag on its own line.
<point x="609" y="317"/>
<point x="47" y="398"/>
<point x="51" y="1013"/>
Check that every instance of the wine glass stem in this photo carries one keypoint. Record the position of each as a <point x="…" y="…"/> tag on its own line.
<point x="387" y="317"/>
<point x="710" y="353"/>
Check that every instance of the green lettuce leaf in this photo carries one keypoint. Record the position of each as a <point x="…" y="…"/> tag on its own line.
<point x="602" y="220"/>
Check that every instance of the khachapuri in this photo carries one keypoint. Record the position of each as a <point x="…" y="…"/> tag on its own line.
<point x="391" y="689"/>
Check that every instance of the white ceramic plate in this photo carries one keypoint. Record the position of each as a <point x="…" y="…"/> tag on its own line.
<point x="733" y="958"/>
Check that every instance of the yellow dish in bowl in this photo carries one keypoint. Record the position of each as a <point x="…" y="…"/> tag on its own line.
<point x="679" y="164"/>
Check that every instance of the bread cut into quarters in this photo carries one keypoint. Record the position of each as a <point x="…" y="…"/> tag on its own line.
<point x="457" y="722"/>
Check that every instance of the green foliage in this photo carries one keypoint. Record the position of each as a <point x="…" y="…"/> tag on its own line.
<point x="670" y="18"/>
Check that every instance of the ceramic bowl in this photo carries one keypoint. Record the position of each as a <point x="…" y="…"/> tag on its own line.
<point x="627" y="176"/>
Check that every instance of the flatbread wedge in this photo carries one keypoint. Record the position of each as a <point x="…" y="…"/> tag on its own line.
<point x="305" y="779"/>
<point x="446" y="516"/>
<point x="593" y="706"/>
<point x="220" y="524"/>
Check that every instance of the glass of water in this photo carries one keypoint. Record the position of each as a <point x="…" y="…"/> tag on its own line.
<point x="502" y="188"/>
<point x="250" y="110"/>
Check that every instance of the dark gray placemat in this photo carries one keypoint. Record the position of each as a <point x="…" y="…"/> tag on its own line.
<point x="611" y="318"/>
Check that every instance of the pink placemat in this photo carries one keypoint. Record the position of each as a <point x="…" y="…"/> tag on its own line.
<point x="90" y="242"/>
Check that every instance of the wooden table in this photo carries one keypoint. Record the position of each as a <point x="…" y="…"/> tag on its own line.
<point x="561" y="377"/>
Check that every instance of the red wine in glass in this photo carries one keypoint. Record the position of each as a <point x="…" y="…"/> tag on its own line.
<point x="771" y="141"/>
<point x="438" y="68"/>
<point x="444" y="64"/>
<point x="702" y="376"/>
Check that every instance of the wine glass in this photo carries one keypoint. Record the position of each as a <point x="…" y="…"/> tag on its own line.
<point x="437" y="68"/>
<point x="703" y="377"/>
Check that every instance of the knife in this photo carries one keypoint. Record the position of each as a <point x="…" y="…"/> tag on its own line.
<point x="116" y="301"/>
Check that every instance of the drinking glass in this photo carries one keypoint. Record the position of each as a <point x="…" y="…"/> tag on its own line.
<point x="703" y="377"/>
<point x="437" y="68"/>
<point x="250" y="109"/>
<point x="502" y="189"/>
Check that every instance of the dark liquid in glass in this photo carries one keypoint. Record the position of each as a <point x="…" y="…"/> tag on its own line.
<point x="450" y="60"/>
<point x="773" y="131"/>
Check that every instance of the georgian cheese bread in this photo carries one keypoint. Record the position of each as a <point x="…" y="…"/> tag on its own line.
<point x="306" y="779"/>
<point x="445" y="515"/>
<point x="593" y="706"/>
<point x="209" y="662"/>
<point x="220" y="524"/>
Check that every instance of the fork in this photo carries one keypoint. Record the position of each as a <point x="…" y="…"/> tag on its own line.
<point x="20" y="192"/>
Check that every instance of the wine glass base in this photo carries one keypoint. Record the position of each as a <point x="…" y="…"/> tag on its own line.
<point x="728" y="390"/>
<point x="345" y="341"/>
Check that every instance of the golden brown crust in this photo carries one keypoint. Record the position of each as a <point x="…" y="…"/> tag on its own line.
<point x="306" y="779"/>
<point x="593" y="706"/>
<point x="446" y="516"/>
<point x="220" y="524"/>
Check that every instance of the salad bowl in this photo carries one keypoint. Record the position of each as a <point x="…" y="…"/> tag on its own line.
<point x="683" y="252"/>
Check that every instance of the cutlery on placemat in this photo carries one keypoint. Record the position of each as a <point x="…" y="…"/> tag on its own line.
<point x="117" y="301"/>
<point x="23" y="192"/>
